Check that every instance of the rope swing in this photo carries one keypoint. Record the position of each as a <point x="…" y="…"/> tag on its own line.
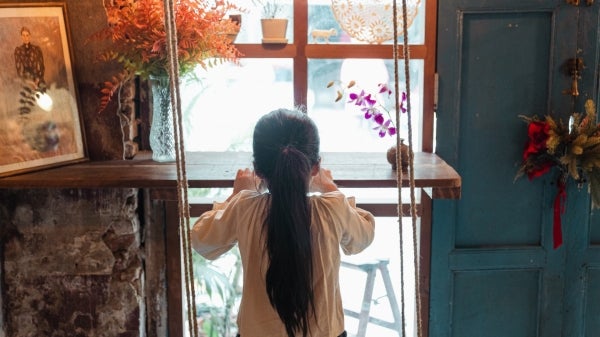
<point x="182" y="183"/>
<point x="413" y="204"/>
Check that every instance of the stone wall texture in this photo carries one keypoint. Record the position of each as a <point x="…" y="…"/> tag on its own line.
<point x="72" y="263"/>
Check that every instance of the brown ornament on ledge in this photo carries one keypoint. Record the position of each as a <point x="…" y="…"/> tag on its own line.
<point x="391" y="156"/>
<point x="128" y="120"/>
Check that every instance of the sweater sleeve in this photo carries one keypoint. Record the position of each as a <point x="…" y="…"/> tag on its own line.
<point x="358" y="228"/>
<point x="354" y="226"/>
<point x="214" y="233"/>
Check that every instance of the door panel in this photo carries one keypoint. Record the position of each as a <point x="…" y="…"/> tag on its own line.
<point x="592" y="310"/>
<point x="493" y="270"/>
<point x="500" y="303"/>
<point x="594" y="235"/>
<point x="491" y="100"/>
<point x="582" y="274"/>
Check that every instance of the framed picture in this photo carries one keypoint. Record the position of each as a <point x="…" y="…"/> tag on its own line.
<point x="40" y="120"/>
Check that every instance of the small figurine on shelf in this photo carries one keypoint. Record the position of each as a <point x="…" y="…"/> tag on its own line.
<point x="391" y="156"/>
<point x="323" y="34"/>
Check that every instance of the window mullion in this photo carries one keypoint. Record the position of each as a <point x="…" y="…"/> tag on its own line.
<point x="300" y="76"/>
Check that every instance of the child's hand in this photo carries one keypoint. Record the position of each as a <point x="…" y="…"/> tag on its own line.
<point x="245" y="179"/>
<point x="323" y="182"/>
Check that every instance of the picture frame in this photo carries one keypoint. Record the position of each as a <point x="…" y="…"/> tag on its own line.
<point x="40" y="117"/>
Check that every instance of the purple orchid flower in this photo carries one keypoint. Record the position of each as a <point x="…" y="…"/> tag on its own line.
<point x="402" y="107"/>
<point x="361" y="99"/>
<point x="384" y="88"/>
<point x="385" y="128"/>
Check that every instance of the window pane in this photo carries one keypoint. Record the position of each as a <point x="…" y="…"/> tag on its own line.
<point x="352" y="21"/>
<point x="222" y="106"/>
<point x="342" y="125"/>
<point x="217" y="284"/>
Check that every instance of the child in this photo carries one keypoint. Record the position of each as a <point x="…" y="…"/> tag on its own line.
<point x="289" y="240"/>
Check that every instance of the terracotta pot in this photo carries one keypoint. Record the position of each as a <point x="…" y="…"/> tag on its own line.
<point x="237" y="19"/>
<point x="274" y="30"/>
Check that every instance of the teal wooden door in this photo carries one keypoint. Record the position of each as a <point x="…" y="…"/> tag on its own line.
<point x="494" y="272"/>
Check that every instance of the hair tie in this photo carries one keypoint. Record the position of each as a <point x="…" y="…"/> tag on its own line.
<point x="286" y="148"/>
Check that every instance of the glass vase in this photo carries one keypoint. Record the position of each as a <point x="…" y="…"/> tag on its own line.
<point x="162" y="135"/>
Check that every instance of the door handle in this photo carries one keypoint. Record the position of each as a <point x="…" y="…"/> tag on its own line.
<point x="573" y="68"/>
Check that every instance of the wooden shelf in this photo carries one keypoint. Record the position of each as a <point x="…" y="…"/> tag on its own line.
<point x="218" y="169"/>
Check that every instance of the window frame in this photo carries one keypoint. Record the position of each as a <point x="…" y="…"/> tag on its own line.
<point x="300" y="51"/>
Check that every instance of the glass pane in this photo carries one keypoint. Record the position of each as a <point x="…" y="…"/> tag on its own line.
<point x="250" y="30"/>
<point x="342" y="124"/>
<point x="352" y="23"/>
<point x="385" y="247"/>
<point x="222" y="105"/>
<point x="218" y="291"/>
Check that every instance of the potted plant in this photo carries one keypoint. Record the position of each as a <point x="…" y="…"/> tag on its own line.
<point x="271" y="9"/>
<point x="136" y="30"/>
<point x="234" y="31"/>
<point x="274" y="27"/>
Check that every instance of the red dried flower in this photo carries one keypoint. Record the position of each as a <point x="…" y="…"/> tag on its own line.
<point x="538" y="133"/>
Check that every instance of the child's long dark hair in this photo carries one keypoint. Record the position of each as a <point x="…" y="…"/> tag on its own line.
<point x="286" y="147"/>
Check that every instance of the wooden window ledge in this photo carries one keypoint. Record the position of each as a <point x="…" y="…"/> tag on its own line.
<point x="218" y="169"/>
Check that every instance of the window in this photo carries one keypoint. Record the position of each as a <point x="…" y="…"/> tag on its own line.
<point x="222" y="106"/>
<point x="221" y="109"/>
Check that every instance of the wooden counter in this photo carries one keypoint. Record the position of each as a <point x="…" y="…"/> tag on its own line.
<point x="218" y="169"/>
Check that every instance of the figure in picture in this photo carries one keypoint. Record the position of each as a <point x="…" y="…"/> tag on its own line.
<point x="29" y="60"/>
<point x="40" y="133"/>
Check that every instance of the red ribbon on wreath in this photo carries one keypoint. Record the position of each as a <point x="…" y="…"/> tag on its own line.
<point x="559" y="209"/>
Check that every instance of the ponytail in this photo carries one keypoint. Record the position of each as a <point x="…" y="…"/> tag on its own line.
<point x="285" y="150"/>
<point x="289" y="276"/>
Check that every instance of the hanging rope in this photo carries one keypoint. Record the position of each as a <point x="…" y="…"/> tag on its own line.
<point x="182" y="183"/>
<point x="413" y="204"/>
